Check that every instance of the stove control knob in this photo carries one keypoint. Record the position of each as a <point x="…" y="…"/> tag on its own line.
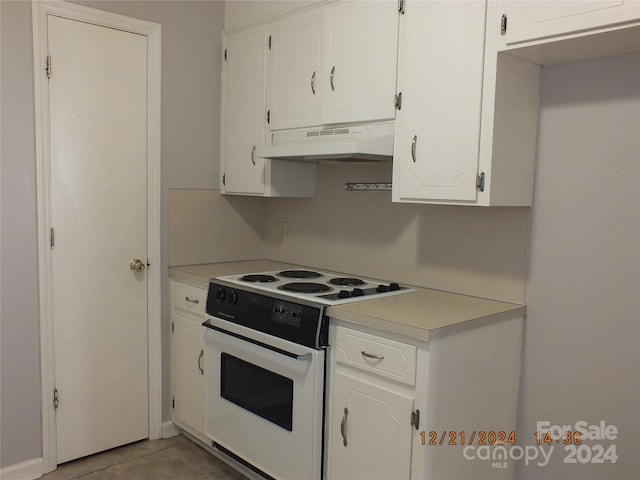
<point x="382" y="288"/>
<point x="221" y="294"/>
<point x="394" y="286"/>
<point x="344" y="294"/>
<point x="357" y="292"/>
<point x="233" y="297"/>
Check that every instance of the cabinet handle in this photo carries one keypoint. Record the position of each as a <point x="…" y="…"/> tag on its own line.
<point x="371" y="355"/>
<point x="253" y="155"/>
<point x="333" y="71"/>
<point x="313" y="83"/>
<point x="199" y="362"/>
<point x="413" y="148"/>
<point x="343" y="426"/>
<point x="195" y="302"/>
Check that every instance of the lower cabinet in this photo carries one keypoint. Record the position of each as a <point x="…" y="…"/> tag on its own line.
<point x="403" y="408"/>
<point x="373" y="406"/>
<point x="187" y="358"/>
<point x="373" y="438"/>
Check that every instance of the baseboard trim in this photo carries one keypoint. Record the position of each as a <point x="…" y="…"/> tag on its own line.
<point x="169" y="430"/>
<point x="29" y="470"/>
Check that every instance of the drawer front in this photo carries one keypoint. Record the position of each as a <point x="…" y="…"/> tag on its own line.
<point x="384" y="357"/>
<point x="189" y="299"/>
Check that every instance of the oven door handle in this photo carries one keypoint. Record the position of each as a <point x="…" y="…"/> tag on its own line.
<point x="304" y="356"/>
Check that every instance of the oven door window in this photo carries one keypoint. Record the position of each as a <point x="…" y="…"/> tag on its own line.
<point x="257" y="390"/>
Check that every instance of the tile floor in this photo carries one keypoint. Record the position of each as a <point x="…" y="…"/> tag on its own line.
<point x="175" y="458"/>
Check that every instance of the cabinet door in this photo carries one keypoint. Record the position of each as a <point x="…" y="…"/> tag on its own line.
<point x="531" y="20"/>
<point x="243" y="122"/>
<point x="440" y="67"/>
<point x="371" y="434"/>
<point x="359" y="70"/>
<point x="294" y="71"/>
<point x="188" y="372"/>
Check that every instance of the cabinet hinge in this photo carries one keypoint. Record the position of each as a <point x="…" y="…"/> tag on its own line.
<point x="398" y="101"/>
<point x="503" y="25"/>
<point x="415" y="419"/>
<point x="225" y="54"/>
<point x="269" y="43"/>
<point x="480" y="182"/>
<point x="401" y="7"/>
<point x="52" y="238"/>
<point x="56" y="398"/>
<point x="48" y="68"/>
<point x="173" y="402"/>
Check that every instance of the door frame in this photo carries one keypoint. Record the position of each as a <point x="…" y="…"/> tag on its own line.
<point x="40" y="11"/>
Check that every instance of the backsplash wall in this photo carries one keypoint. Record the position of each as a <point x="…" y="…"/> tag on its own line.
<point x="472" y="250"/>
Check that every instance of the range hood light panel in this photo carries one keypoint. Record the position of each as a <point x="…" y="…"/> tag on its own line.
<point x="372" y="142"/>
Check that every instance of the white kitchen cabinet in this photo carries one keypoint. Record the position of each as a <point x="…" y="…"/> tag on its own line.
<point x="360" y="61"/>
<point x="243" y="125"/>
<point x="526" y="21"/>
<point x="294" y="71"/>
<point x="370" y="422"/>
<point x="334" y="64"/>
<point x="466" y="130"/>
<point x="373" y="438"/>
<point x="187" y="358"/>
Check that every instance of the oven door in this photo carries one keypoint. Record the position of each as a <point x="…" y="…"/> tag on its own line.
<point x="264" y="400"/>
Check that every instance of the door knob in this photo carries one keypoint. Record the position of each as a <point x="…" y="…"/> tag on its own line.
<point x="137" y="265"/>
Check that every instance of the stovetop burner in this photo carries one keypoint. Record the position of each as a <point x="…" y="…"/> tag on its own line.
<point x="258" y="278"/>
<point x="299" y="274"/>
<point x="305" y="287"/>
<point x="316" y="286"/>
<point x="346" y="281"/>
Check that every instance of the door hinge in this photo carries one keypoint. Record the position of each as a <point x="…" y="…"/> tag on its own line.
<point x="173" y="402"/>
<point x="173" y="327"/>
<point x="398" y="101"/>
<point x="48" y="69"/>
<point x="225" y="54"/>
<point x="480" y="182"/>
<point x="503" y="24"/>
<point x="52" y="238"/>
<point x="415" y="419"/>
<point x="56" y="398"/>
<point x="401" y="7"/>
<point x="269" y="44"/>
<point x="224" y="179"/>
<point x="268" y="117"/>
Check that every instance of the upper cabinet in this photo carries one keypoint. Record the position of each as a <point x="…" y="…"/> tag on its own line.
<point x="243" y="111"/>
<point x="332" y="65"/>
<point x="525" y="21"/>
<point x="440" y="77"/>
<point x="294" y="71"/>
<point x="360" y="61"/>
<point x="243" y="124"/>
<point x="461" y="135"/>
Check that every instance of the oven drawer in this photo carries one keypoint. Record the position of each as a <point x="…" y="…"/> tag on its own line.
<point x="382" y="356"/>
<point x="189" y="299"/>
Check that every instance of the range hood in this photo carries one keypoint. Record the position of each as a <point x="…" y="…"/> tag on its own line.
<point x="371" y="142"/>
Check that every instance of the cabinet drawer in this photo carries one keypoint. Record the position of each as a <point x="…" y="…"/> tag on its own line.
<point x="189" y="299"/>
<point x="384" y="357"/>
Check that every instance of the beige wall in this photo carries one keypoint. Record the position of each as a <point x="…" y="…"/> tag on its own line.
<point x="583" y="323"/>
<point x="20" y="347"/>
<point x="206" y="227"/>
<point x="472" y="250"/>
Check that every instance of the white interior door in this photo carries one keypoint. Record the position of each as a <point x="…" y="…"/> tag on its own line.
<point x="98" y="143"/>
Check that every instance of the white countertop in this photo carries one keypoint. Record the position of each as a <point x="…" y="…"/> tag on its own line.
<point x="421" y="314"/>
